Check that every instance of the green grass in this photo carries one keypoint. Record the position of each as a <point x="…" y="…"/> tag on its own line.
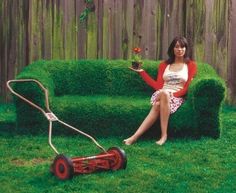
<point x="7" y="113"/>
<point x="181" y="165"/>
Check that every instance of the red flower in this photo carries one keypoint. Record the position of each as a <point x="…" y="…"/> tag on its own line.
<point x="137" y="55"/>
<point x="137" y="50"/>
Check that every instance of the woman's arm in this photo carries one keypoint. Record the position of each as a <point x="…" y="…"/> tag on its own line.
<point x="155" y="84"/>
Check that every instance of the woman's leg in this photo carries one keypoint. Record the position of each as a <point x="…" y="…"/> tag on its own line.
<point x="164" y="116"/>
<point x="146" y="124"/>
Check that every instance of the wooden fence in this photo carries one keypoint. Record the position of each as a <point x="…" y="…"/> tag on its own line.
<point x="51" y="29"/>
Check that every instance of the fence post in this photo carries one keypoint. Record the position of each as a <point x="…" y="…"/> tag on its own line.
<point x="231" y="79"/>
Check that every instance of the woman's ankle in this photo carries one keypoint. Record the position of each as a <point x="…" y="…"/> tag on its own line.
<point x="129" y="141"/>
<point x="162" y="140"/>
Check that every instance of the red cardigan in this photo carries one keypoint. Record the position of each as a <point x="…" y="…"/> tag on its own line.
<point x="158" y="84"/>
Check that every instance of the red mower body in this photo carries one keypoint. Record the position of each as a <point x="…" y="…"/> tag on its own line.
<point x="65" y="168"/>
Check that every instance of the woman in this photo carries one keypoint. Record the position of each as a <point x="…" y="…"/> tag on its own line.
<point x="174" y="77"/>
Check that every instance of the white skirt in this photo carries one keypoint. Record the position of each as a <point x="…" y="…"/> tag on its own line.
<point x="175" y="102"/>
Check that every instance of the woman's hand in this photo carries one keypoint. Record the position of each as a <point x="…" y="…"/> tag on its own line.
<point x="136" y="70"/>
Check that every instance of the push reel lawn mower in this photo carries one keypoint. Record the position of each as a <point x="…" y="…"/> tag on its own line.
<point x="64" y="167"/>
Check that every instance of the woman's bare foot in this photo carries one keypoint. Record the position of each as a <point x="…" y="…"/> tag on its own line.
<point x="129" y="141"/>
<point x="162" y="140"/>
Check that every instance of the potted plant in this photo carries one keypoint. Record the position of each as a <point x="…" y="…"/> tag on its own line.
<point x="137" y="58"/>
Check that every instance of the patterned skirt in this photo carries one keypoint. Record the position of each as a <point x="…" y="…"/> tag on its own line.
<point x="175" y="102"/>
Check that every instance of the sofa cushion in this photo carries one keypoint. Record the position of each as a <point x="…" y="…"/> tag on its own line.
<point x="100" y="114"/>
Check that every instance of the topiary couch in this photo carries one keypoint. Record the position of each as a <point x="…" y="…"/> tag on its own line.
<point x="104" y="98"/>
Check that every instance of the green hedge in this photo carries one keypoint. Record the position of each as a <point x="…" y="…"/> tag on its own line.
<point x="104" y="97"/>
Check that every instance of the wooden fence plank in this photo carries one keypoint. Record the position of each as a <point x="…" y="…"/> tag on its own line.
<point x="92" y="30"/>
<point x="35" y="21"/>
<point x="81" y="31"/>
<point x="107" y="28"/>
<point x="4" y="42"/>
<point x="127" y="32"/>
<point x="57" y="43"/>
<point x="231" y="78"/>
<point x="137" y="24"/>
<point x="221" y="34"/>
<point x="99" y="9"/>
<point x="47" y="32"/>
<point x="69" y="29"/>
<point x="148" y="31"/>
<point x="117" y="27"/>
<point x="165" y="15"/>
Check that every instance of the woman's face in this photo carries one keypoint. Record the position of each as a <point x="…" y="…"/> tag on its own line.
<point x="179" y="51"/>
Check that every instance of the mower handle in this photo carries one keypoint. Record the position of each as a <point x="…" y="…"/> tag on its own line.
<point x="49" y="115"/>
<point x="27" y="100"/>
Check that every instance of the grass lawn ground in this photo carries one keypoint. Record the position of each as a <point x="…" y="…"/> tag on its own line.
<point x="181" y="165"/>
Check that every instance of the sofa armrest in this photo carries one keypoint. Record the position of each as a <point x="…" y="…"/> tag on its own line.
<point x="25" y="113"/>
<point x="206" y="96"/>
<point x="206" y="93"/>
<point x="31" y="89"/>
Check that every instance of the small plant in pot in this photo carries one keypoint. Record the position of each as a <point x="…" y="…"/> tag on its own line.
<point x="137" y="58"/>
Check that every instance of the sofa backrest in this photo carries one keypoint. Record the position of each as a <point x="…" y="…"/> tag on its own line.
<point x="92" y="77"/>
<point x="95" y="77"/>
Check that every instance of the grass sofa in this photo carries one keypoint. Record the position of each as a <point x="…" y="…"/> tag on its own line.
<point x="103" y="98"/>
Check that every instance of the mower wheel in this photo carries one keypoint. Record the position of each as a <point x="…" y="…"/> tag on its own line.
<point x="119" y="160"/>
<point x="63" y="167"/>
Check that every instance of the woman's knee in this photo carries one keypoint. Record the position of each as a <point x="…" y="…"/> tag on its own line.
<point x="164" y="95"/>
<point x="156" y="106"/>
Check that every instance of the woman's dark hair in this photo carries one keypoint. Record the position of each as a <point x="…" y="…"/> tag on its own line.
<point x="183" y="43"/>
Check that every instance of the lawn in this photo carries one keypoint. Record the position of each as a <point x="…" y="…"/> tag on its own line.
<point x="181" y="165"/>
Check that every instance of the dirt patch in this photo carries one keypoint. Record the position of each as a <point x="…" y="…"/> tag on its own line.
<point x="18" y="162"/>
<point x="34" y="161"/>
